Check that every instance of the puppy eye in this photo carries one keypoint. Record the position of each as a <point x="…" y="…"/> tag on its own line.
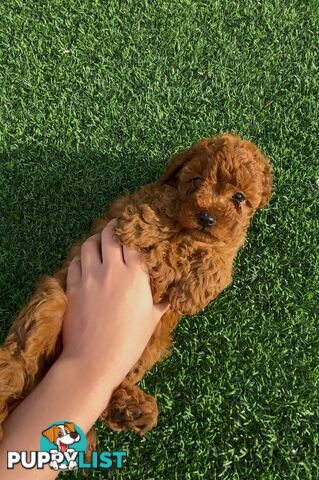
<point x="60" y="434"/>
<point x="196" y="182"/>
<point x="67" y="431"/>
<point x="238" y="197"/>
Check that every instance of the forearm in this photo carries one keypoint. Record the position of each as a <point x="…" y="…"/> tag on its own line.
<point x="68" y="392"/>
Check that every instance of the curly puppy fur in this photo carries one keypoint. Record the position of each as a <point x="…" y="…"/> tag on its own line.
<point x="188" y="227"/>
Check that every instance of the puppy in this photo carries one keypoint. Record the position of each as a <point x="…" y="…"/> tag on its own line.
<point x="62" y="436"/>
<point x="188" y="227"/>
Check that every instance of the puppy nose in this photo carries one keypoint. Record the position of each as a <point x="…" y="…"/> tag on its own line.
<point x="73" y="434"/>
<point x="205" y="219"/>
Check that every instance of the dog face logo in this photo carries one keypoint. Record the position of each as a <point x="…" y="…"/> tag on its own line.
<point x="63" y="436"/>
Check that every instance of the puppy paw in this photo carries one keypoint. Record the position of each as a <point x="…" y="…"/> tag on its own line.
<point x="131" y="409"/>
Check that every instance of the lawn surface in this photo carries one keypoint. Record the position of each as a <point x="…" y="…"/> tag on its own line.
<point x="95" y="96"/>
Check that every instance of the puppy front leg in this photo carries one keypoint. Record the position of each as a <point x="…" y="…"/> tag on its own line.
<point x="31" y="341"/>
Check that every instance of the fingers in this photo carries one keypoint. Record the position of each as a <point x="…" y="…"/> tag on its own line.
<point x="115" y="253"/>
<point x="97" y="248"/>
<point x="74" y="274"/>
<point x="131" y="257"/>
<point x="111" y="250"/>
<point x="103" y="248"/>
<point x="91" y="254"/>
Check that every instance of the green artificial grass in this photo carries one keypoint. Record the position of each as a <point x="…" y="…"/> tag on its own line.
<point x="95" y="96"/>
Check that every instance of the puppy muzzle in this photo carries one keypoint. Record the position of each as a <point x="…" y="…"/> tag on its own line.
<point x="205" y="219"/>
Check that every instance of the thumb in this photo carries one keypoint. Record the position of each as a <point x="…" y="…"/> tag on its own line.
<point x="160" y="309"/>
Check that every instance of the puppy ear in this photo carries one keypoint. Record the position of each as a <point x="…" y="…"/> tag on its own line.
<point x="174" y="167"/>
<point x="70" y="426"/>
<point x="50" y="433"/>
<point x="264" y="167"/>
<point x="267" y="182"/>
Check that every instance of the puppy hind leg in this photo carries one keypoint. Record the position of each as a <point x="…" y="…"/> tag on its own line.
<point x="31" y="341"/>
<point x="91" y="444"/>
<point x="131" y="409"/>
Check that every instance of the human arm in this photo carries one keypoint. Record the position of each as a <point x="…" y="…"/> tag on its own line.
<point x="109" y="320"/>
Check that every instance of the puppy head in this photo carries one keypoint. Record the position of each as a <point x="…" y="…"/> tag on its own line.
<point x="221" y="182"/>
<point x="62" y="435"/>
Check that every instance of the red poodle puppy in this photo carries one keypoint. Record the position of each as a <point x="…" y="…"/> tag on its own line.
<point x="188" y="227"/>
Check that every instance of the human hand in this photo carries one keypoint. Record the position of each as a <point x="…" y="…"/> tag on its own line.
<point x="110" y="315"/>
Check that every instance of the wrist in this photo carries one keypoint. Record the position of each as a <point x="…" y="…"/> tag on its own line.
<point x="90" y="371"/>
<point x="90" y="389"/>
